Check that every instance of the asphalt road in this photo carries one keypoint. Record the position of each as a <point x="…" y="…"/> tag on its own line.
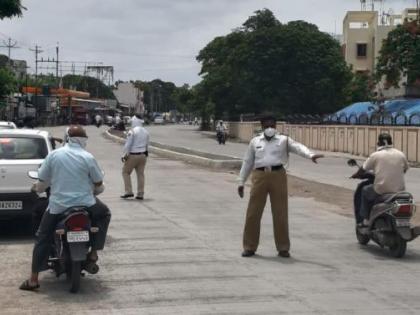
<point x="178" y="252"/>
<point x="333" y="169"/>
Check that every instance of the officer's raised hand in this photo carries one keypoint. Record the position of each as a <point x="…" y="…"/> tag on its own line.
<point x="241" y="191"/>
<point x="315" y="157"/>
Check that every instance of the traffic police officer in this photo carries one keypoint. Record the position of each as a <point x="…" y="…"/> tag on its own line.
<point x="266" y="157"/>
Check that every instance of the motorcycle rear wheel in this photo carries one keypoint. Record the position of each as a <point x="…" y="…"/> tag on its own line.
<point x="399" y="248"/>
<point x="75" y="276"/>
<point x="362" y="238"/>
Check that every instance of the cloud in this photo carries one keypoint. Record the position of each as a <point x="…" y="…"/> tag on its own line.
<point x="147" y="39"/>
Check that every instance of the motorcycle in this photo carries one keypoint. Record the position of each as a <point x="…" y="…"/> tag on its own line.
<point x="221" y="137"/>
<point x="70" y="248"/>
<point x="389" y="224"/>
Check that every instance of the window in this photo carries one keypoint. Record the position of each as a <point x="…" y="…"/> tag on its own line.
<point x="14" y="148"/>
<point x="361" y="50"/>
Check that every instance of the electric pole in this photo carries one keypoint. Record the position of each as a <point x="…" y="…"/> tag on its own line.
<point x="37" y="51"/>
<point x="10" y="45"/>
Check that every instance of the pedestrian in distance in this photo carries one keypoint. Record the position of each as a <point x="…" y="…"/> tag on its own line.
<point x="134" y="157"/>
<point x="266" y="158"/>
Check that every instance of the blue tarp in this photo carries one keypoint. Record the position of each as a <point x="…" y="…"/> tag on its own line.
<point x="393" y="107"/>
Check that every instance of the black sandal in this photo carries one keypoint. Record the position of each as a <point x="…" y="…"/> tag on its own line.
<point x="26" y="286"/>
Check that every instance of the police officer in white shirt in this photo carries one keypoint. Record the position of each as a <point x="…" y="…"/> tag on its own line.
<point x="266" y="157"/>
<point x="135" y="157"/>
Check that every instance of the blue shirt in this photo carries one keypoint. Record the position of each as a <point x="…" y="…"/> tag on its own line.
<point x="71" y="173"/>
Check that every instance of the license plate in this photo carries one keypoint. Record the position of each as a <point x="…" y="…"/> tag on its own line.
<point x="11" y="205"/>
<point x="78" y="237"/>
<point x="403" y="223"/>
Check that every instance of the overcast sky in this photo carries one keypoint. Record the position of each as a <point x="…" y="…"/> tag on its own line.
<point x="148" y="39"/>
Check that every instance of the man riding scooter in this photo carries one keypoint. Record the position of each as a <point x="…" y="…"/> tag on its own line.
<point x="221" y="130"/>
<point x="74" y="177"/>
<point x="388" y="165"/>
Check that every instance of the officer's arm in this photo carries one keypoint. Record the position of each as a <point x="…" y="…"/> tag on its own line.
<point x="128" y="143"/>
<point x="247" y="164"/>
<point x="303" y="151"/>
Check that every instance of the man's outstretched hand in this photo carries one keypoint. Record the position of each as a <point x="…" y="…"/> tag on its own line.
<point x="241" y="191"/>
<point x="315" y="157"/>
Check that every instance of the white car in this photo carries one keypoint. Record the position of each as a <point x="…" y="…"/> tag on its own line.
<point x="158" y="120"/>
<point x="21" y="151"/>
<point x="7" y="125"/>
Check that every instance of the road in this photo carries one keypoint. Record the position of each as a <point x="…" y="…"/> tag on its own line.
<point x="332" y="170"/>
<point x="178" y="252"/>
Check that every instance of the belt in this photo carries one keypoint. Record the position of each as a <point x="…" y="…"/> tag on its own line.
<point x="270" y="168"/>
<point x="137" y="153"/>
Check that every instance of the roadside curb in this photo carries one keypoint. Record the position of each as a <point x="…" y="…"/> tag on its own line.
<point x="191" y="157"/>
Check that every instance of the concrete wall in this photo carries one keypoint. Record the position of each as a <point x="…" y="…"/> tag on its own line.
<point x="356" y="140"/>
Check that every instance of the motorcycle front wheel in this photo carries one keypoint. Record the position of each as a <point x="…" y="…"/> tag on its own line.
<point x="75" y="276"/>
<point x="362" y="238"/>
<point x="399" y="247"/>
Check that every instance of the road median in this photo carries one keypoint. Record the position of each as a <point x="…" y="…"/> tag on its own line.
<point x="187" y="155"/>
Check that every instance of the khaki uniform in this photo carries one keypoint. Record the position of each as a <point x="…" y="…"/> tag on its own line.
<point x="271" y="181"/>
<point x="137" y="163"/>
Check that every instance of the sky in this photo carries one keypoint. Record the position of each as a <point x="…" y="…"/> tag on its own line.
<point x="149" y="39"/>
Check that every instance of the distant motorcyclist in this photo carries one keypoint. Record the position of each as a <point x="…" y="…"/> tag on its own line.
<point x="389" y="166"/>
<point x="74" y="178"/>
<point x="221" y="131"/>
<point x="98" y="120"/>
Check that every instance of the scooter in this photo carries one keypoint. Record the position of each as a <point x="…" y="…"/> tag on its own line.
<point x="390" y="218"/>
<point x="69" y="251"/>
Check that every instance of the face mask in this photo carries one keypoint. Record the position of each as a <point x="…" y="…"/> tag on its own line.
<point x="269" y="132"/>
<point x="82" y="141"/>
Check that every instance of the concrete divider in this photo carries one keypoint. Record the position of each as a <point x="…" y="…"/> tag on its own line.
<point x="352" y="139"/>
<point x="187" y="155"/>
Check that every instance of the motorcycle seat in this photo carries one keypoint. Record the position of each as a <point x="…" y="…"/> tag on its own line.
<point x="387" y="198"/>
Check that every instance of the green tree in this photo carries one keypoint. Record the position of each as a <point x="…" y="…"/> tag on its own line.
<point x="7" y="82"/>
<point x="400" y="55"/>
<point x="95" y="87"/>
<point x="10" y="8"/>
<point x="269" y="66"/>
<point x="360" y="89"/>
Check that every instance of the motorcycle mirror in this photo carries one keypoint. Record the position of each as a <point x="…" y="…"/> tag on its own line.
<point x="352" y="162"/>
<point x="33" y="174"/>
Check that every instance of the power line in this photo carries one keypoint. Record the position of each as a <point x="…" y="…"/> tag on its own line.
<point x="10" y="45"/>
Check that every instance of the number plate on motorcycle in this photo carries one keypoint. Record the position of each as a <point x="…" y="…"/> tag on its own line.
<point x="10" y="205"/>
<point x="78" y="237"/>
<point x="403" y="223"/>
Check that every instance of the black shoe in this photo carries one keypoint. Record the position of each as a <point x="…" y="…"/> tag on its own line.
<point x="284" y="254"/>
<point x="139" y="198"/>
<point x="248" y="253"/>
<point x="125" y="196"/>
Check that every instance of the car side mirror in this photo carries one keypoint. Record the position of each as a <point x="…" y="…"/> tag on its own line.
<point x="33" y="174"/>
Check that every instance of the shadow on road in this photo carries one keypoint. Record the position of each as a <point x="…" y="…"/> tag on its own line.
<point x="383" y="254"/>
<point x="293" y="260"/>
<point x="13" y="231"/>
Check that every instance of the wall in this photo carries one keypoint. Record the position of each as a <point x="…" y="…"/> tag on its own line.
<point x="357" y="140"/>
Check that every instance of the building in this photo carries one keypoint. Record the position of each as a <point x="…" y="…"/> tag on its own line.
<point x="130" y="98"/>
<point x="363" y="33"/>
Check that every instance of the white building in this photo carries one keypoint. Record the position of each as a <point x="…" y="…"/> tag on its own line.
<point x="130" y="98"/>
<point x="363" y="33"/>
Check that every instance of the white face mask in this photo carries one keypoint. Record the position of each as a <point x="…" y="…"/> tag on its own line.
<point x="82" y="141"/>
<point x="269" y="132"/>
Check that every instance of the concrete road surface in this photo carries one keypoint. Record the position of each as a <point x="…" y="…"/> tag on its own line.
<point x="178" y="252"/>
<point x="332" y="170"/>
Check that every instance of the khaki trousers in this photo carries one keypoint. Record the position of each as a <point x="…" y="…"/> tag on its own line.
<point x="274" y="184"/>
<point x="138" y="163"/>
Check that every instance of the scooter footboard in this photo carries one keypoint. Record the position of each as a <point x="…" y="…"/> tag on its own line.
<point x="78" y="251"/>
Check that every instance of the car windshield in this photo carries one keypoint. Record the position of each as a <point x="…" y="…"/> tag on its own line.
<point x="19" y="148"/>
<point x="6" y="127"/>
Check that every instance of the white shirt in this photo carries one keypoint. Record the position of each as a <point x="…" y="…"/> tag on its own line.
<point x="137" y="140"/>
<point x="263" y="153"/>
<point x="221" y="128"/>
<point x="389" y="166"/>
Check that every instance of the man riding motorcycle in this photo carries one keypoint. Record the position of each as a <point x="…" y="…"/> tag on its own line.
<point x="74" y="178"/>
<point x="388" y="165"/>
<point x="221" y="132"/>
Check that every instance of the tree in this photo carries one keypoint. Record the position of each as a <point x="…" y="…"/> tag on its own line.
<point x="94" y="86"/>
<point x="400" y="55"/>
<point x="269" y="66"/>
<point x="10" y="8"/>
<point x="360" y="89"/>
<point x="7" y="82"/>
